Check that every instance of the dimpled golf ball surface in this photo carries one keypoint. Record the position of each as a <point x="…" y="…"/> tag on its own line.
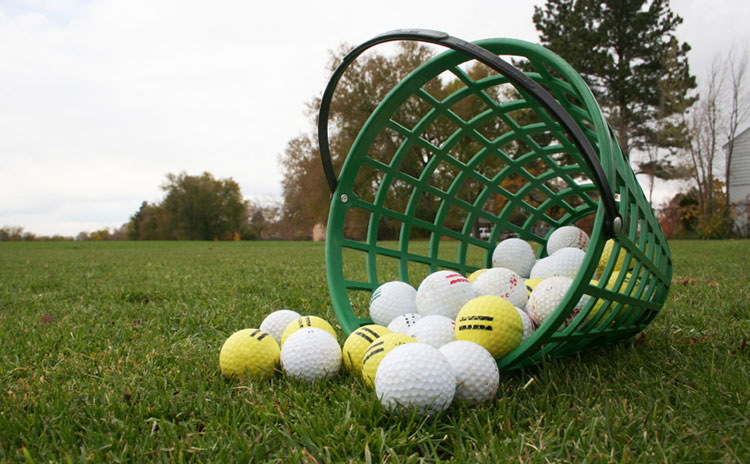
<point x="443" y="293"/>
<point x="390" y="300"/>
<point x="567" y="236"/>
<point x="402" y="323"/>
<point x="564" y="262"/>
<point x="415" y="376"/>
<point x="275" y="323"/>
<point x="514" y="254"/>
<point x="306" y="321"/>
<point x="504" y="283"/>
<point x="491" y="322"/>
<point x="311" y="354"/>
<point x="528" y="324"/>
<point x="377" y="351"/>
<point x="250" y="351"/>
<point x="357" y="343"/>
<point x="433" y="330"/>
<point x="473" y="276"/>
<point x="477" y="376"/>
<point x="547" y="296"/>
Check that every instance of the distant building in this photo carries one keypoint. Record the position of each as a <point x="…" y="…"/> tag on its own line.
<point x="739" y="183"/>
<point x="319" y="233"/>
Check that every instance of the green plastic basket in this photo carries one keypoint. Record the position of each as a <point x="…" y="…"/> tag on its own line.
<point x="521" y="153"/>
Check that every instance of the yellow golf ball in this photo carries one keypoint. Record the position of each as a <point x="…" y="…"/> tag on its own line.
<point x="358" y="342"/>
<point x="606" y="253"/>
<point x="306" y="321"/>
<point x="473" y="276"/>
<point x="377" y="351"/>
<point x="250" y="351"/>
<point x="492" y="322"/>
<point x="531" y="283"/>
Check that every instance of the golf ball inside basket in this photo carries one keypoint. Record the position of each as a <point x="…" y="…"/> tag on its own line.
<point x="491" y="322"/>
<point x="390" y="300"/>
<point x="473" y="276"/>
<point x="358" y="342"/>
<point x="250" y="351"/>
<point x="402" y="323"/>
<point x="547" y="296"/>
<point x="567" y="236"/>
<point x="443" y="293"/>
<point x="311" y="354"/>
<point x="528" y="324"/>
<point x="514" y="254"/>
<point x="275" y="323"/>
<point x="504" y="283"/>
<point x="415" y="376"/>
<point x="306" y="321"/>
<point x="564" y="262"/>
<point x="477" y="376"/>
<point x="433" y="330"/>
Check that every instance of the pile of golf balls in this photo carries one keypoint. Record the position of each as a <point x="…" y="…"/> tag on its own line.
<point x="431" y="345"/>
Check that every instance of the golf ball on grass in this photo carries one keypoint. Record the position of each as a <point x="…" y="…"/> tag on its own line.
<point x="402" y="323"/>
<point x="504" y="283"/>
<point x="514" y="254"/>
<point x="567" y="236"/>
<point x="390" y="300"/>
<point x="415" y="377"/>
<point x="306" y="321"/>
<point x="547" y="296"/>
<point x="477" y="376"/>
<point x="443" y="293"/>
<point x="491" y="322"/>
<point x="311" y="354"/>
<point x="433" y="330"/>
<point x="249" y="351"/>
<point x="275" y="323"/>
<point x="358" y="342"/>
<point x="377" y="350"/>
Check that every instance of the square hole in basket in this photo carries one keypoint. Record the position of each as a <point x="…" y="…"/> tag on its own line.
<point x="493" y="129"/>
<point x="495" y="203"/>
<point x="465" y="149"/>
<point x="356" y="223"/>
<point x="415" y="161"/>
<point x="389" y="228"/>
<point x="387" y="268"/>
<point x="385" y="145"/>
<point x="419" y="240"/>
<point x="367" y="182"/>
<point x="398" y="195"/>
<point x="520" y="215"/>
<point x="439" y="131"/>
<point x="455" y="219"/>
<point x="443" y="176"/>
<point x="504" y="93"/>
<point x="493" y="162"/>
<point x="535" y="198"/>
<point x="360" y="301"/>
<point x="354" y="265"/>
<point x="417" y="273"/>
<point x="469" y="190"/>
<point x="476" y="256"/>
<point x="438" y="85"/>
<point x="469" y="107"/>
<point x="411" y="112"/>
<point x="427" y="207"/>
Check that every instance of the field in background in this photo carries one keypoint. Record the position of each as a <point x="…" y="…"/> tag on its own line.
<point x="109" y="352"/>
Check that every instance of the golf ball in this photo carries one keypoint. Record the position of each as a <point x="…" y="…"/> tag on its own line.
<point x="433" y="330"/>
<point x="306" y="321"/>
<point x="567" y="236"/>
<point x="477" y="376"/>
<point x="390" y="300"/>
<point x="514" y="254"/>
<point x="564" y="262"/>
<point x="250" y="351"/>
<point x="311" y="354"/>
<point x="275" y="323"/>
<point x="358" y="342"/>
<point x="547" y="296"/>
<point x="402" y="323"/>
<point x="473" y="276"/>
<point x="491" y="322"/>
<point x="504" y="283"/>
<point x="443" y="293"/>
<point x="417" y="377"/>
<point x="528" y="324"/>
<point x="377" y="350"/>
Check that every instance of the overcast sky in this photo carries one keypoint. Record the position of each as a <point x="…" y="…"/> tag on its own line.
<point x="99" y="100"/>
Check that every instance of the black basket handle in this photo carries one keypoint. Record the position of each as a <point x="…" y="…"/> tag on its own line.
<point x="613" y="220"/>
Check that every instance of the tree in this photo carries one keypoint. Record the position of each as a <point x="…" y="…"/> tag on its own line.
<point x="623" y="49"/>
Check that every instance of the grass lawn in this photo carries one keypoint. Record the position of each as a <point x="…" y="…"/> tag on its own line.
<point x="109" y="352"/>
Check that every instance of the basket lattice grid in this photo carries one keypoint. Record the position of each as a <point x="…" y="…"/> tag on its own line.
<point x="429" y="169"/>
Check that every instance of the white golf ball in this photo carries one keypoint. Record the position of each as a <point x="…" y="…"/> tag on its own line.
<point x="504" y="283"/>
<point x="528" y="324"/>
<point x="539" y="271"/>
<point x="568" y="236"/>
<point x="275" y="323"/>
<point x="390" y="300"/>
<point x="402" y="323"/>
<point x="477" y="376"/>
<point x="565" y="262"/>
<point x="311" y="354"/>
<point x="415" y="376"/>
<point x="433" y="330"/>
<point x="443" y="293"/>
<point x="514" y="254"/>
<point x="547" y="295"/>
